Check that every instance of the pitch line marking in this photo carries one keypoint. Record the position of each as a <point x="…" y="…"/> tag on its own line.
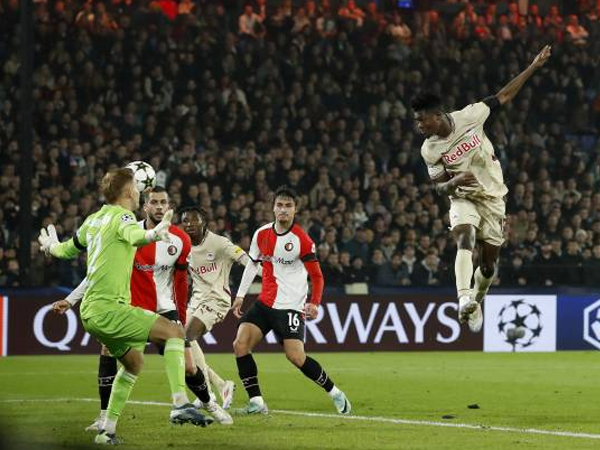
<point x="391" y="420"/>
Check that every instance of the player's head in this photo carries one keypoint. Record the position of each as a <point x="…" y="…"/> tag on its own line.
<point x="156" y="204"/>
<point x="285" y="201"/>
<point x="427" y="113"/>
<point x="118" y="186"/>
<point x="194" y="221"/>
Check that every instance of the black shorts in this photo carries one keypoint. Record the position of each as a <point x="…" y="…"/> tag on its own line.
<point x="173" y="316"/>
<point x="286" y="323"/>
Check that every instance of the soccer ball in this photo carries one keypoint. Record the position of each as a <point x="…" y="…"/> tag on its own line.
<point x="143" y="174"/>
<point x="520" y="322"/>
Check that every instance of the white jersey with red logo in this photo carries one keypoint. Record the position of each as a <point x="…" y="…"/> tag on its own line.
<point x="466" y="148"/>
<point x="159" y="276"/>
<point x="283" y="257"/>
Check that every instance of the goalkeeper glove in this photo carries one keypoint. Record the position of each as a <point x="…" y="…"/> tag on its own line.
<point x="48" y="239"/>
<point x="161" y="231"/>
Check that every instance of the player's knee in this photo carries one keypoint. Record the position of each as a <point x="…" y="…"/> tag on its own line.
<point x="488" y="270"/>
<point x="296" y="358"/>
<point x="240" y="347"/>
<point x="176" y="331"/>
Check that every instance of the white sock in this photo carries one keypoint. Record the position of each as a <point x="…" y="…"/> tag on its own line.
<point x="257" y="400"/>
<point x="110" y="426"/>
<point x="334" y="391"/>
<point x="180" y="399"/>
<point x="102" y="416"/>
<point x="463" y="269"/>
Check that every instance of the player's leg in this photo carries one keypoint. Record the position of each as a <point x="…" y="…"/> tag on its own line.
<point x="132" y="362"/>
<point x="488" y="267"/>
<point x="491" y="238"/>
<point x="294" y="351"/>
<point x="194" y="329"/>
<point x="107" y="370"/>
<point x="171" y="335"/>
<point x="464" y="218"/>
<point x="201" y="321"/>
<point x="249" y="334"/>
<point x="196" y="382"/>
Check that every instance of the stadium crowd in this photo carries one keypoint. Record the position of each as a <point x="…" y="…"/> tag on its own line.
<point x="227" y="104"/>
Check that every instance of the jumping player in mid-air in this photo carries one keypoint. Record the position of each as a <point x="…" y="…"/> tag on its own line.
<point x="461" y="162"/>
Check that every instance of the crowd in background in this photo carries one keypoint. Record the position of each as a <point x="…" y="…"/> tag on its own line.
<point x="227" y="101"/>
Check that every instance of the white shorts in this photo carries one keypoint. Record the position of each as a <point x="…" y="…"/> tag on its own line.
<point x="487" y="216"/>
<point x="209" y="311"/>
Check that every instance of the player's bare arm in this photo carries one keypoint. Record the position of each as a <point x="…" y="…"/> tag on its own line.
<point x="446" y="184"/>
<point x="508" y="92"/>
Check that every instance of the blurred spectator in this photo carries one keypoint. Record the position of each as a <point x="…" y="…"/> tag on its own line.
<point x="393" y="273"/>
<point x="576" y="33"/>
<point x="430" y="271"/>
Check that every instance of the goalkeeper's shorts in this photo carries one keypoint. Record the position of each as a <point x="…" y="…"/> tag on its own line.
<point x="122" y="328"/>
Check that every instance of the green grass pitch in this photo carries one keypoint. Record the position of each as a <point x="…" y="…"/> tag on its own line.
<point x="558" y="392"/>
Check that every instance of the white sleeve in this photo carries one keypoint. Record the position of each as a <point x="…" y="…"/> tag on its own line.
<point x="476" y="112"/>
<point x="77" y="293"/>
<point x="247" y="278"/>
<point x="254" y="252"/>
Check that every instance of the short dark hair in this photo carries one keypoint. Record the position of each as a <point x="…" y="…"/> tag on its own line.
<point x="426" y="101"/>
<point x="285" y="191"/>
<point x="197" y="209"/>
<point x="154" y="190"/>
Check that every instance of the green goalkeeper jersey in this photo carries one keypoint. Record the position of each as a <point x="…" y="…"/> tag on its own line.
<point x="110" y="237"/>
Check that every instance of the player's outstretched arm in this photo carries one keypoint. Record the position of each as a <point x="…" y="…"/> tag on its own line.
<point x="508" y="92"/>
<point x="51" y="246"/>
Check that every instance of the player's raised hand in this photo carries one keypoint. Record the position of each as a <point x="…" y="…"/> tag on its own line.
<point x="236" y="307"/>
<point x="48" y="239"/>
<point x="161" y="231"/>
<point x="61" y="306"/>
<point x="311" y="310"/>
<point x="542" y="57"/>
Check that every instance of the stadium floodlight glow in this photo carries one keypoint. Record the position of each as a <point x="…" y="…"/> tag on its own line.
<point x="591" y="324"/>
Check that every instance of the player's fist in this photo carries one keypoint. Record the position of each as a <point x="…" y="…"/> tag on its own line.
<point x="465" y="179"/>
<point x="542" y="57"/>
<point x="311" y="310"/>
<point x="61" y="306"/>
<point x="48" y="239"/>
<point x="236" y="307"/>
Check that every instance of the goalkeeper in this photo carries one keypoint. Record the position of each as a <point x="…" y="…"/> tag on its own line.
<point x="110" y="237"/>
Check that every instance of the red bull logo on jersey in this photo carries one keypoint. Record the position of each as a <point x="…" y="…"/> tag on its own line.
<point x="462" y="149"/>
<point x="212" y="267"/>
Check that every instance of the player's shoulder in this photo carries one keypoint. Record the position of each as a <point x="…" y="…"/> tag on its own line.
<point x="266" y="228"/>
<point x="299" y="231"/>
<point x="175" y="230"/>
<point x="472" y="109"/>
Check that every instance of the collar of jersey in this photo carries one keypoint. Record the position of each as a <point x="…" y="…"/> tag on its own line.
<point x="286" y="231"/>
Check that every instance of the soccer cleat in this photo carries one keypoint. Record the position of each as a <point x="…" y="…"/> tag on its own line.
<point x="466" y="306"/>
<point x="227" y="394"/>
<point x="254" y="407"/>
<point x="475" y="320"/>
<point x="104" y="438"/>
<point x="342" y="404"/>
<point x="219" y="414"/>
<point x="188" y="414"/>
<point x="96" y="425"/>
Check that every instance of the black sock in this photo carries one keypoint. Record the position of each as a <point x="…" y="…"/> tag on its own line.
<point x="197" y="384"/>
<point x="107" y="370"/>
<point x="249" y="375"/>
<point x="313" y="370"/>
